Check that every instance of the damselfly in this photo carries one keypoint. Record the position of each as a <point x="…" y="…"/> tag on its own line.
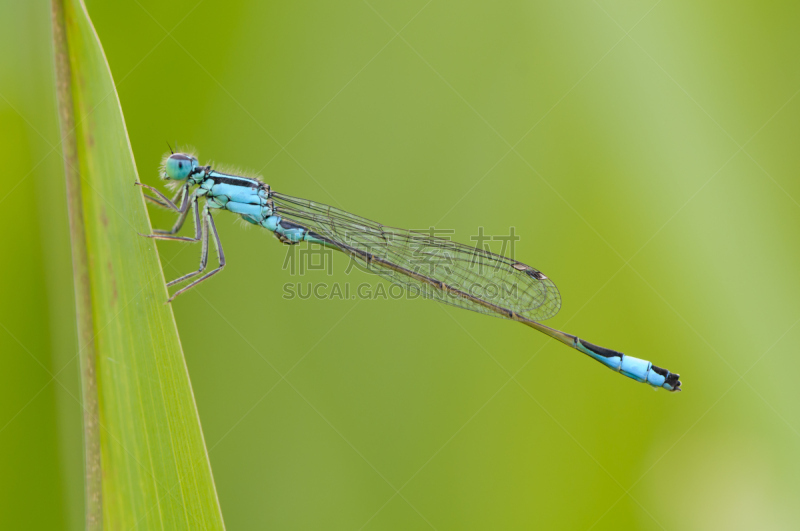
<point x="435" y="268"/>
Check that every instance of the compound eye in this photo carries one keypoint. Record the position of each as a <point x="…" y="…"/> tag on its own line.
<point x="179" y="166"/>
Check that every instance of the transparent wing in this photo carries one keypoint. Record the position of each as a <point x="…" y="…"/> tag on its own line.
<point x="425" y="265"/>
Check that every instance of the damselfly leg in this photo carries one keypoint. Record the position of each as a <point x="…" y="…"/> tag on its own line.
<point x="203" y="256"/>
<point x="202" y="230"/>
<point x="167" y="203"/>
<point x="183" y="212"/>
<point x="210" y="228"/>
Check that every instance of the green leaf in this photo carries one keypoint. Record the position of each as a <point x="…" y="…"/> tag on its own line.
<point x="147" y="465"/>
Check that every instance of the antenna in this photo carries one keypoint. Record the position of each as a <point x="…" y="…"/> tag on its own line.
<point x="170" y="148"/>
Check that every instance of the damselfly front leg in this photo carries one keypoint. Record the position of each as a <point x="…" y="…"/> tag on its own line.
<point x="183" y="211"/>
<point x="167" y="203"/>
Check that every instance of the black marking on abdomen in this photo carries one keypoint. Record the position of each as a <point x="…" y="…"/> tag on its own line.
<point x="659" y="370"/>
<point x="673" y="379"/>
<point x="602" y="351"/>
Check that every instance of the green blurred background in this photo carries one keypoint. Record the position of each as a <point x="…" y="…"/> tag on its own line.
<point x="653" y="176"/>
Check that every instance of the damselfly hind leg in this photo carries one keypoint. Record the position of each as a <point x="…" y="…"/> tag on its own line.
<point x="203" y="257"/>
<point x="211" y="228"/>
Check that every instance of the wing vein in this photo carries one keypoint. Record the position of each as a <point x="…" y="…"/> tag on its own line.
<point x="460" y="275"/>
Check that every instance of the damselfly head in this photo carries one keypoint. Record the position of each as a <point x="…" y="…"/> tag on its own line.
<point x="179" y="166"/>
